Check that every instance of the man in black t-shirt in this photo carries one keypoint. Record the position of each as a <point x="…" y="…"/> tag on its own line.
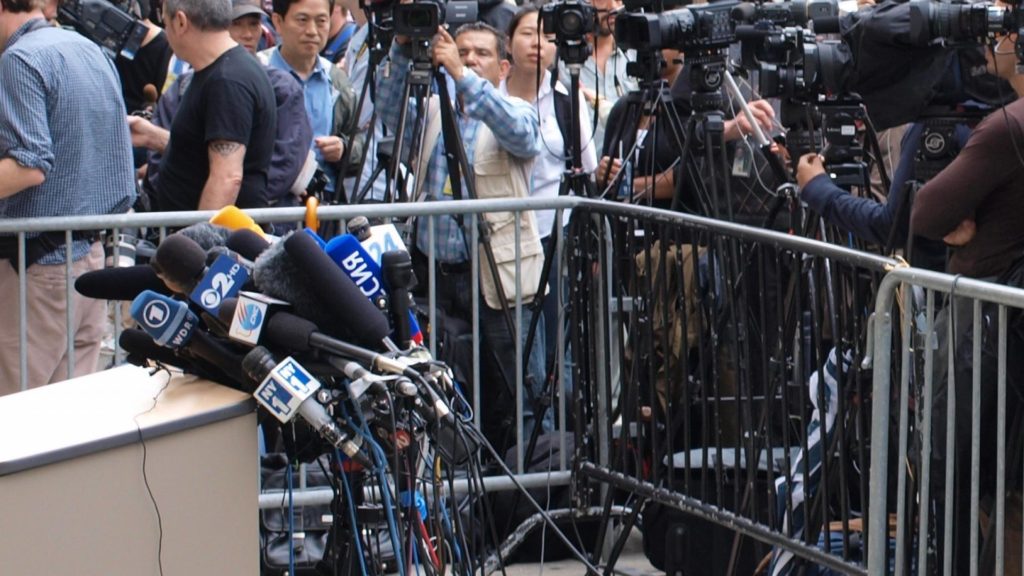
<point x="218" y="149"/>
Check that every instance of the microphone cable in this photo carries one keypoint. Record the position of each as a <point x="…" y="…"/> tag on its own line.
<point x="145" y="477"/>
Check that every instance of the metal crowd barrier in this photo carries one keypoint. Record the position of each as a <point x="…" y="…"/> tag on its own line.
<point x="722" y="389"/>
<point x="158" y="224"/>
<point x="955" y="489"/>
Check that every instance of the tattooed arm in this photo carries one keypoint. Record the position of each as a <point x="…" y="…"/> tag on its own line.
<point x="225" y="179"/>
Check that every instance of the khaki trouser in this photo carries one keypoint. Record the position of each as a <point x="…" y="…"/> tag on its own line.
<point x="47" y="329"/>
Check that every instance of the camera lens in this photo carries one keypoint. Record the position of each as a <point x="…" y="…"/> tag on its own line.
<point x="571" y="23"/>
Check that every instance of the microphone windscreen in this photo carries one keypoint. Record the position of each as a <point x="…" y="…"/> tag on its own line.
<point x="140" y="347"/>
<point x="180" y="262"/>
<point x="350" y="314"/>
<point x="120" y="283"/>
<point x="277" y="276"/>
<point x="226" y="312"/>
<point x="289" y="331"/>
<point x="247" y="244"/>
<point x="205" y="234"/>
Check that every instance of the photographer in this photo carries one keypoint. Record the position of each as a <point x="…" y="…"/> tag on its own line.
<point x="501" y="137"/>
<point x="651" y="155"/>
<point x="603" y="76"/>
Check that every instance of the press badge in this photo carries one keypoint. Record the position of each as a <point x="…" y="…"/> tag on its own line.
<point x="741" y="162"/>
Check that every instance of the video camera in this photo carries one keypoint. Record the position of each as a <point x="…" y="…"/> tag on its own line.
<point x="960" y="22"/>
<point x="113" y="29"/>
<point x="704" y="27"/>
<point x="809" y="67"/>
<point x="420" y="19"/>
<point x="570" y="21"/>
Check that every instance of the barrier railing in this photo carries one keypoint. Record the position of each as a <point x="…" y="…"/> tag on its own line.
<point x="158" y="225"/>
<point x="952" y="471"/>
<point x="720" y="373"/>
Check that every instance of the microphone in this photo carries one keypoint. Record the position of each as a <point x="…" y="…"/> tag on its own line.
<point x="182" y="263"/>
<point x="141" y="348"/>
<point x="362" y="269"/>
<point x="120" y="283"/>
<point x="346" y="307"/>
<point x="205" y="234"/>
<point x="232" y="218"/>
<point x="286" y="389"/>
<point x="455" y="449"/>
<point x="172" y="325"/>
<point x="400" y="278"/>
<point x="247" y="244"/>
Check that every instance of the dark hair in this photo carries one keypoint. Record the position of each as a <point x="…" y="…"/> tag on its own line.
<point x="22" y="5"/>
<point x="524" y="10"/>
<point x="211" y="15"/>
<point x="499" y="38"/>
<point x="281" y="6"/>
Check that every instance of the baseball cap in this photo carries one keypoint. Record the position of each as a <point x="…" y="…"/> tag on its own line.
<point x="241" y="8"/>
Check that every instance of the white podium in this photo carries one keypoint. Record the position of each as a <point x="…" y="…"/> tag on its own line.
<point x="119" y="472"/>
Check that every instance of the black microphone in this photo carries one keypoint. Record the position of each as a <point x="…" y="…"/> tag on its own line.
<point x="206" y="277"/>
<point x="173" y="325"/>
<point x="120" y="283"/>
<point x="399" y="277"/>
<point x="181" y="262"/>
<point x="352" y="315"/>
<point x="286" y="390"/>
<point x="297" y="271"/>
<point x="141" y="348"/>
<point x="247" y="243"/>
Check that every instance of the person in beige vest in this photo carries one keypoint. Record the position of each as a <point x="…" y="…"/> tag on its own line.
<point x="501" y="138"/>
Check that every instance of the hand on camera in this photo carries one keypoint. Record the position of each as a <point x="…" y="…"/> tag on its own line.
<point x="446" y="53"/>
<point x="763" y="113"/>
<point x="809" y="167"/>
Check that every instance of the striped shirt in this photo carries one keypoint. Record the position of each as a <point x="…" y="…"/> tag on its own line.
<point x="61" y="112"/>
<point x="514" y="123"/>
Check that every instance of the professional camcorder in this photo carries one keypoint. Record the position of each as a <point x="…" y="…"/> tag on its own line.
<point x="810" y="68"/>
<point x="704" y="27"/>
<point x="421" y="19"/>
<point x="116" y="31"/>
<point x="959" y="21"/>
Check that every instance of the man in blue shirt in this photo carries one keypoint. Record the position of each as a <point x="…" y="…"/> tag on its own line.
<point x="304" y="26"/>
<point x="500" y="136"/>
<point x="64" y="150"/>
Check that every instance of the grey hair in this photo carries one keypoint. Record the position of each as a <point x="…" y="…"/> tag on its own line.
<point x="209" y="15"/>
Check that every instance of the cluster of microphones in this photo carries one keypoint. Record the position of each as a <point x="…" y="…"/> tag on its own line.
<point x="312" y="329"/>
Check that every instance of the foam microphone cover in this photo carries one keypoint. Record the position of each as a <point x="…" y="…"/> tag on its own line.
<point x="180" y="261"/>
<point x="247" y="244"/>
<point x="140" y="348"/>
<point x="349" y="314"/>
<point x="288" y="331"/>
<point x="206" y="235"/>
<point x="120" y="283"/>
<point x="277" y="276"/>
